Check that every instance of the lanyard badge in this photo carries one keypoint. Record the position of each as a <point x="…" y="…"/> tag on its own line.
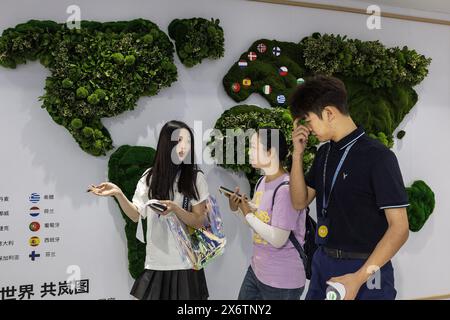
<point x="323" y="221"/>
<point x="323" y="225"/>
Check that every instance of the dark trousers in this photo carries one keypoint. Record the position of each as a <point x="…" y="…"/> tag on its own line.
<point x="253" y="289"/>
<point x="325" y="267"/>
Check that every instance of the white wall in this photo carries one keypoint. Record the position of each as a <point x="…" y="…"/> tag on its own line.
<point x="39" y="156"/>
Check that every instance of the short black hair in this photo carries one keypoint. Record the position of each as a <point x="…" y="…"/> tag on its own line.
<point x="281" y="145"/>
<point x="316" y="93"/>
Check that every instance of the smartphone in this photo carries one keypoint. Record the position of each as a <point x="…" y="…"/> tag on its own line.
<point x="227" y="192"/>
<point x="158" y="207"/>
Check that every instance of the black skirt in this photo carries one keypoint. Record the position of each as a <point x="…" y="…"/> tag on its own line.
<point x="171" y="285"/>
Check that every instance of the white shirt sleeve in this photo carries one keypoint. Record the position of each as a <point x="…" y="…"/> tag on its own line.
<point x="275" y="236"/>
<point x="202" y="188"/>
<point x="140" y="199"/>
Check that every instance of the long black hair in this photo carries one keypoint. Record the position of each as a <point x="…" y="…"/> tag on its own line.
<point x="164" y="171"/>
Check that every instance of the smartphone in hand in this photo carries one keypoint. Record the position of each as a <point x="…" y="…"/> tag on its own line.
<point x="159" y="207"/>
<point x="227" y="192"/>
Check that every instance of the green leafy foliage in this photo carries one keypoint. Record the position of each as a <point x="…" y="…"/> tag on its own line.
<point x="421" y="204"/>
<point x="379" y="80"/>
<point x="366" y="61"/>
<point x="197" y="39"/>
<point x="126" y="166"/>
<point x="379" y="111"/>
<point x="241" y="118"/>
<point x="97" y="71"/>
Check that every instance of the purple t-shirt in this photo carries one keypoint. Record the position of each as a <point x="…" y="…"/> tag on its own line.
<point x="278" y="267"/>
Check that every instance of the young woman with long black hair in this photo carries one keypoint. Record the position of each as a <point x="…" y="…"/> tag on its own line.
<point x="174" y="176"/>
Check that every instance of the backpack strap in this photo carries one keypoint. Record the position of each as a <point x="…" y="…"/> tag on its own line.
<point x="298" y="246"/>
<point x="258" y="183"/>
<point x="284" y="183"/>
<point x="292" y="237"/>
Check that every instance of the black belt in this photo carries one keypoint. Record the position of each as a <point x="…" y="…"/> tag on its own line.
<point x="339" y="254"/>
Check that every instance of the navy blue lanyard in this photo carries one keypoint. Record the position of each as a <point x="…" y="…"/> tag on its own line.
<point x="325" y="201"/>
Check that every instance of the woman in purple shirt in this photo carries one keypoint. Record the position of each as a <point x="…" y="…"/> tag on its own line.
<point x="276" y="271"/>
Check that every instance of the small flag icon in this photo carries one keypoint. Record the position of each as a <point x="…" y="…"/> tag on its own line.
<point x="236" y="87"/>
<point x="246" y="82"/>
<point x="261" y="48"/>
<point x="267" y="89"/>
<point x="35" y="197"/>
<point x="35" y="226"/>
<point x="33" y="255"/>
<point x="283" y="71"/>
<point x="281" y="99"/>
<point x="242" y="63"/>
<point x="276" y="51"/>
<point x="34" y="211"/>
<point x="34" y="241"/>
<point x="252" y="56"/>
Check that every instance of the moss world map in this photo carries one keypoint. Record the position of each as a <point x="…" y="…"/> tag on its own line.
<point x="101" y="69"/>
